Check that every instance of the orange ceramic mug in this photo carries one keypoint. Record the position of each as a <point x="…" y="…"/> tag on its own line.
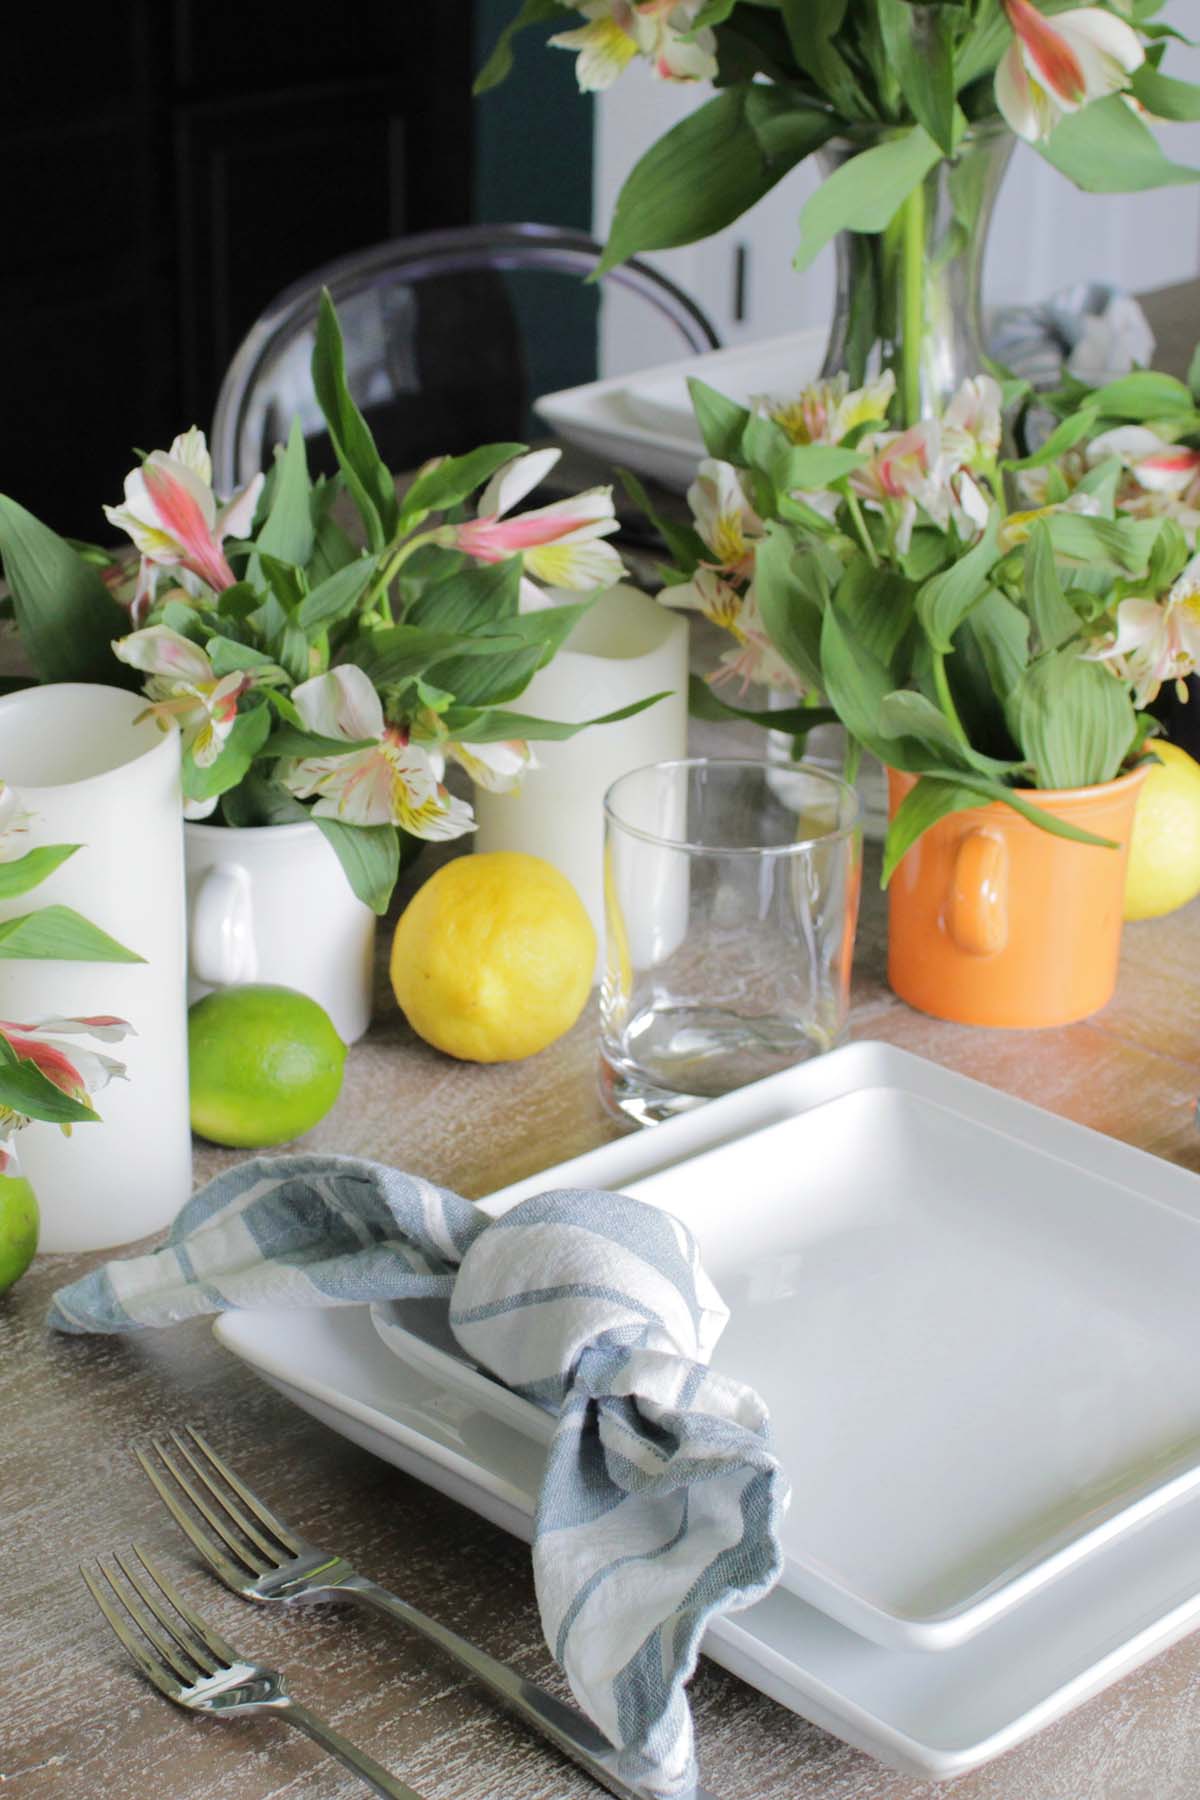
<point x="993" y="921"/>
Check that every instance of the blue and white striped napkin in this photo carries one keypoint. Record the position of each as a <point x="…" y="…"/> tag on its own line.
<point x="661" y="1501"/>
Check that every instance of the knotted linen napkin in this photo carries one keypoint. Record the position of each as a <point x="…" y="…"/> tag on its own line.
<point x="661" y="1499"/>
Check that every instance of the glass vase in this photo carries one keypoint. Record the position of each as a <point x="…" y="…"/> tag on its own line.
<point x="908" y="297"/>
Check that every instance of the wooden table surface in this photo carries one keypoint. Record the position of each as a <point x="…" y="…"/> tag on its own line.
<point x="77" y="1721"/>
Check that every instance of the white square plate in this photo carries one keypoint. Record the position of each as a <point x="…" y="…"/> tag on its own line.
<point x="973" y="1325"/>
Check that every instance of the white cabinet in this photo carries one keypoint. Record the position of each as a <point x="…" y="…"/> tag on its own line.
<point x="1045" y="235"/>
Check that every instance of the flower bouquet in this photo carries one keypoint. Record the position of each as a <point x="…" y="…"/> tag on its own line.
<point x="990" y="656"/>
<point x="910" y="107"/>
<point x="318" y="674"/>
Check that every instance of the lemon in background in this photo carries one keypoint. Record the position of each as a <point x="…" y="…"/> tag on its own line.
<point x="264" y="1065"/>
<point x="1164" y="853"/>
<point x="18" y="1228"/>
<point x="493" y="957"/>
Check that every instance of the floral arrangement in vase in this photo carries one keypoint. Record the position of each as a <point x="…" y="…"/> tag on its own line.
<point x="879" y="578"/>
<point x="41" y="1076"/>
<point x="315" y="676"/>
<point x="910" y="108"/>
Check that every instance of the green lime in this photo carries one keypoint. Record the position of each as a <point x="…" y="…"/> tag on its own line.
<point x="18" y="1228"/>
<point x="265" y="1065"/>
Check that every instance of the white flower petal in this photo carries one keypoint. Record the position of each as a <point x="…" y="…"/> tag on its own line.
<point x="237" y="515"/>
<point x="157" y="650"/>
<point x="510" y="484"/>
<point x="340" y="704"/>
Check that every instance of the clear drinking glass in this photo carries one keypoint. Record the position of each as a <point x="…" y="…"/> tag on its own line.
<point x="731" y="899"/>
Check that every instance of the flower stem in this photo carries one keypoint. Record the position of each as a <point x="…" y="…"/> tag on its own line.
<point x="376" y="598"/>
<point x="946" y="698"/>
<point x="912" y="305"/>
<point x="851" y="760"/>
<point x="860" y="525"/>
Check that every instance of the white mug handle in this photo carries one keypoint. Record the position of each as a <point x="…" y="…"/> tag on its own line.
<point x="222" y="927"/>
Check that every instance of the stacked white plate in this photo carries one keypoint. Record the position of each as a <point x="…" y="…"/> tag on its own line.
<point x="644" y="422"/>
<point x="974" y="1325"/>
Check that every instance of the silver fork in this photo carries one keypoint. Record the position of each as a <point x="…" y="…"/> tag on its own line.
<point x="193" y="1665"/>
<point x="259" y="1557"/>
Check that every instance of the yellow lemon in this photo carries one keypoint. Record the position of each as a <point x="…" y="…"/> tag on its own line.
<point x="1164" y="852"/>
<point x="493" y="957"/>
<point x="264" y="1065"/>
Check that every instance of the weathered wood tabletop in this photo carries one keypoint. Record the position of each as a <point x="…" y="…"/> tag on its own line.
<point x="77" y="1721"/>
<point x="75" y="1718"/>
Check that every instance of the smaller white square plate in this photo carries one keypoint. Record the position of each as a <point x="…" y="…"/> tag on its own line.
<point x="974" y="1326"/>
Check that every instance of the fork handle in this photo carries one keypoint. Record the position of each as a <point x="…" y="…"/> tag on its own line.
<point x="373" y="1773"/>
<point x="565" y="1727"/>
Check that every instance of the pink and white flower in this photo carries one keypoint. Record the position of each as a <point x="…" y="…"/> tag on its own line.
<point x="617" y="31"/>
<point x="907" y="474"/>
<point x="1156" y="641"/>
<point x="172" y="516"/>
<point x="972" y="424"/>
<point x="561" y="545"/>
<point x="1158" y="467"/>
<point x="78" y="1073"/>
<point x="725" y="517"/>
<point x="391" y="781"/>
<point x="499" y="767"/>
<point x="1054" y="67"/>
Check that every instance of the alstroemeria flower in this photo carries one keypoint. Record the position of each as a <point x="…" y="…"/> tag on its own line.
<point x="172" y="516"/>
<point x="1017" y="526"/>
<point x="754" y="662"/>
<point x="390" y="782"/>
<point x="659" y="30"/>
<point x="498" y="767"/>
<point x="1155" y="465"/>
<point x="78" y="1073"/>
<point x="14" y="823"/>
<point x="827" y="411"/>
<point x="907" y="474"/>
<point x="560" y="545"/>
<point x="725" y="518"/>
<point x="184" y="688"/>
<point x="1156" y="641"/>
<point x="1055" y="66"/>
<point x="972" y="424"/>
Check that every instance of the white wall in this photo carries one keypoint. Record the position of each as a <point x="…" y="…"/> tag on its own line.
<point x="1045" y="235"/>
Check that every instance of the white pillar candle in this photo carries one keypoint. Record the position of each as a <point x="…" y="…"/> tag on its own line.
<point x="90" y="776"/>
<point x="626" y="648"/>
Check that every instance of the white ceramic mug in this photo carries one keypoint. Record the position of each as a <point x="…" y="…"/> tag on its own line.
<point x="90" y="775"/>
<point x="626" y="648"/>
<point x="272" y="903"/>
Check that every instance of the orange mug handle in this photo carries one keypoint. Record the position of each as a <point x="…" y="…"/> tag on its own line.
<point x="979" y="894"/>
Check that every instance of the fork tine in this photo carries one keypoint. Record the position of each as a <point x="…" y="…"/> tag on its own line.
<point x="269" y="1550"/>
<point x="117" y="1617"/>
<point x="254" y="1561"/>
<point x="261" y="1511"/>
<point x="222" y="1567"/>
<point x="150" y="1628"/>
<point x="191" y="1646"/>
<point x="211" y="1639"/>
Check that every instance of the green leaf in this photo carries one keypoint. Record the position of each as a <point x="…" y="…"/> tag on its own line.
<point x="766" y="446"/>
<point x="480" y="596"/>
<point x="1146" y="394"/>
<point x="866" y="192"/>
<point x="793" y="593"/>
<point x="292" y="740"/>
<point x="30" y="870"/>
<point x="1194" y="373"/>
<point x="24" y="1088"/>
<point x="876" y="607"/>
<point x="288" y="583"/>
<point x="485" y="726"/>
<point x="532" y="12"/>
<point x="452" y="479"/>
<point x="1123" y="544"/>
<point x="239" y="601"/>
<point x="369" y="855"/>
<point x="400" y="652"/>
<point x="249" y="734"/>
<point x="945" y="600"/>
<point x="857" y="684"/>
<point x="722" y="422"/>
<point x="227" y="655"/>
<point x="288" y="532"/>
<point x="59" y="934"/>
<point x="1163" y="96"/>
<point x="919" y="42"/>
<point x="1104" y="148"/>
<point x="1054" y="618"/>
<point x="797" y="721"/>
<point x="1063" y="438"/>
<point x="1036" y="815"/>
<point x="810" y="29"/>
<point x="522" y="646"/>
<point x="370" y="484"/>
<point x="745" y="139"/>
<point x="923" y="805"/>
<point x="906" y="714"/>
<point x="335" y="598"/>
<point x="1074" y="723"/>
<point x="687" y="547"/>
<point x="65" y="615"/>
